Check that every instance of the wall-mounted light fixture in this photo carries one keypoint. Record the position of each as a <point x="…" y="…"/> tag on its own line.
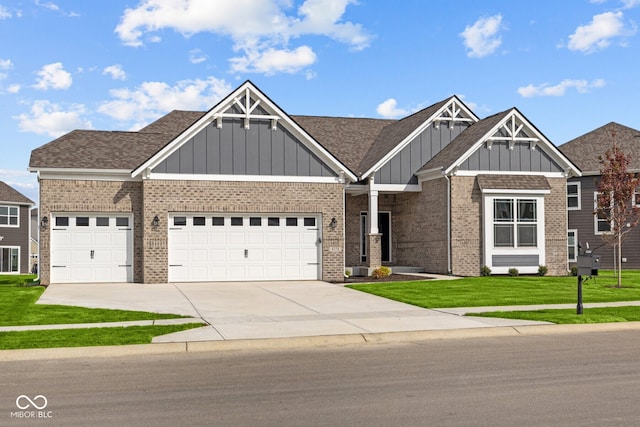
<point x="155" y="222"/>
<point x="44" y="222"/>
<point x="333" y="224"/>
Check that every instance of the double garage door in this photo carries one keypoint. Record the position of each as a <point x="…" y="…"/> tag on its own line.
<point x="91" y="248"/>
<point x="217" y="247"/>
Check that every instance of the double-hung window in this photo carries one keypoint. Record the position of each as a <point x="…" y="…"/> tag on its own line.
<point x="9" y="260"/>
<point x="9" y="216"/>
<point x="515" y="223"/>
<point x="601" y="224"/>
<point x="573" y="196"/>
<point x="572" y="245"/>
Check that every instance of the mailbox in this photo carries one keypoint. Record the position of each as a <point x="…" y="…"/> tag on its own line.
<point x="588" y="264"/>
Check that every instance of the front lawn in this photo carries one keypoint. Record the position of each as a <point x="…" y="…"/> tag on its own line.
<point x="88" y="337"/>
<point x="506" y="290"/>
<point x="18" y="307"/>
<point x="569" y="316"/>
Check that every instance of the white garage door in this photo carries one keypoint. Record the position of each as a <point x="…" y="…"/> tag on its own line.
<point x="91" y="248"/>
<point x="243" y="247"/>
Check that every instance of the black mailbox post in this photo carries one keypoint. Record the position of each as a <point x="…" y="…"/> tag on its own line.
<point x="588" y="265"/>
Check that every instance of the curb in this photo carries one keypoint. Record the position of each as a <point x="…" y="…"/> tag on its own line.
<point x="309" y="342"/>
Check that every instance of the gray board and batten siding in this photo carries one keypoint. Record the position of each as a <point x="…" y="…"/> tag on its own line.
<point x="521" y="158"/>
<point x="400" y="169"/>
<point x="234" y="150"/>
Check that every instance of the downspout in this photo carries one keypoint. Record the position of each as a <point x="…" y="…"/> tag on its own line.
<point x="448" y="224"/>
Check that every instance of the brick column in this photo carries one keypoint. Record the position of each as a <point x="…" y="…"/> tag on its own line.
<point x="374" y="257"/>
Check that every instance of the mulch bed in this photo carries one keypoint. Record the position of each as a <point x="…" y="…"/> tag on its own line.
<point x="391" y="278"/>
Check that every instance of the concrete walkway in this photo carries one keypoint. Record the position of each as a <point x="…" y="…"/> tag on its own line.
<point x="258" y="310"/>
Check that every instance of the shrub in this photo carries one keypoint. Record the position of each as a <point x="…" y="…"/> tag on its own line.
<point x="542" y="270"/>
<point x="574" y="270"/>
<point x="381" y="272"/>
<point x="513" y="272"/>
<point x="347" y="273"/>
<point x="485" y="271"/>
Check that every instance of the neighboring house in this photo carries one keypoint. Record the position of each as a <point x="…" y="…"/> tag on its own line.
<point x="14" y="231"/>
<point x="33" y="244"/>
<point x="245" y="191"/>
<point x="584" y="226"/>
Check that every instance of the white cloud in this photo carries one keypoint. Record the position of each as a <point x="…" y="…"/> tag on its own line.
<point x="630" y="4"/>
<point x="389" y="109"/>
<point x="6" y="64"/>
<point x="53" y="76"/>
<point x="260" y="29"/>
<point x="115" y="71"/>
<point x="47" y="118"/>
<point x="598" y="33"/>
<point x="482" y="38"/>
<point x="14" y="88"/>
<point x="273" y="61"/>
<point x="545" y="89"/>
<point x="5" y="13"/>
<point x="153" y="99"/>
<point x="196" y="56"/>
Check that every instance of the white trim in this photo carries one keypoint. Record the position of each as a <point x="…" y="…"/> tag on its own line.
<point x="595" y="217"/>
<point x="578" y="195"/>
<point x="488" y="223"/>
<point x="549" y="148"/>
<point x="19" y="260"/>
<point x="92" y="175"/>
<point x="458" y="172"/>
<point x="243" y="178"/>
<point x="575" y="245"/>
<point x="8" y="225"/>
<point x="511" y="191"/>
<point x="396" y="188"/>
<point x="417" y="131"/>
<point x="213" y="115"/>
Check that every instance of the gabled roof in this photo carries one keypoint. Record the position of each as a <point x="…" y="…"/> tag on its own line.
<point x="11" y="195"/>
<point x="465" y="144"/>
<point x="585" y="150"/>
<point x="452" y="153"/>
<point x="242" y="103"/>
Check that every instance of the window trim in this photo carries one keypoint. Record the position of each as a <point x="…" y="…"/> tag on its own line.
<point x="597" y="220"/>
<point x="11" y="248"/>
<point x="575" y="245"/>
<point x="515" y="221"/>
<point x="578" y="195"/>
<point x="9" y="216"/>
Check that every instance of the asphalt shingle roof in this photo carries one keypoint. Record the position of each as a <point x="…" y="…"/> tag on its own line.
<point x="513" y="182"/>
<point x="585" y="150"/>
<point x="10" y="194"/>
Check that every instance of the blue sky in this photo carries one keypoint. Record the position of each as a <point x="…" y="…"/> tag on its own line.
<point x="569" y="66"/>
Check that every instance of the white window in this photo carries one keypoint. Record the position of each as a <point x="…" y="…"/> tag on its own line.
<point x="9" y="260"/>
<point x="601" y="224"/>
<point x="572" y="245"/>
<point x="9" y="216"/>
<point x="515" y="223"/>
<point x="573" y="196"/>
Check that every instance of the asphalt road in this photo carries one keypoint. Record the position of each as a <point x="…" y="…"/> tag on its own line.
<point x="588" y="379"/>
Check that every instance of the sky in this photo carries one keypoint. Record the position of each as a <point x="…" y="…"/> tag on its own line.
<point x="569" y="66"/>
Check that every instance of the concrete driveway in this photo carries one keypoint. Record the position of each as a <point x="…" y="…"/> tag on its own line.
<point x="251" y="310"/>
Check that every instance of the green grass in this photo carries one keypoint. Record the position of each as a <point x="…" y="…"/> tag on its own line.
<point x="87" y="337"/>
<point x="569" y="316"/>
<point x="18" y="307"/>
<point x="505" y="290"/>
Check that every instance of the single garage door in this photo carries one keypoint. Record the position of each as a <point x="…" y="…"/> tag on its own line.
<point x="217" y="247"/>
<point x="91" y="248"/>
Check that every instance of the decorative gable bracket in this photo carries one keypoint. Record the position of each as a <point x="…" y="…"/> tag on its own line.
<point x="247" y="107"/>
<point x="452" y="114"/>
<point x="511" y="131"/>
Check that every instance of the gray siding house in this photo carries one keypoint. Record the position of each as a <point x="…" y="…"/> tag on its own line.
<point x="245" y="191"/>
<point x="15" y="224"/>
<point x="584" y="226"/>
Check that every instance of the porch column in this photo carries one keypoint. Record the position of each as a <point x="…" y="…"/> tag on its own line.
<point x="374" y="257"/>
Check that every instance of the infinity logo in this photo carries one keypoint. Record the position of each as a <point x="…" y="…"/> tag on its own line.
<point x="30" y="402"/>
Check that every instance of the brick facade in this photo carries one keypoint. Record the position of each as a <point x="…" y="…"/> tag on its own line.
<point x="148" y="198"/>
<point x="466" y="226"/>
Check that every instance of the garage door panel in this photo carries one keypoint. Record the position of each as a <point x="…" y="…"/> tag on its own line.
<point x="97" y="252"/>
<point x="267" y="250"/>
